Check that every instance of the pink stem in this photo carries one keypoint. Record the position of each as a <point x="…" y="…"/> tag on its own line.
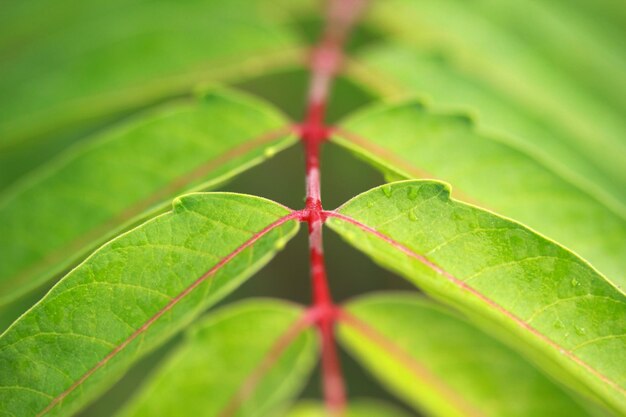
<point x="325" y="63"/>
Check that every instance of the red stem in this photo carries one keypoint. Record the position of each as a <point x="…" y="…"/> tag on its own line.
<point x="325" y="62"/>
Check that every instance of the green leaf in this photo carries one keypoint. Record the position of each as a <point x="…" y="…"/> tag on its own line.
<point x="356" y="408"/>
<point x="257" y="345"/>
<point x="106" y="57"/>
<point x="417" y="143"/>
<point x="578" y="86"/>
<point x="442" y="365"/>
<point x="540" y="297"/>
<point x="608" y="16"/>
<point x="97" y="189"/>
<point x="448" y="88"/>
<point x="131" y="295"/>
<point x="593" y="66"/>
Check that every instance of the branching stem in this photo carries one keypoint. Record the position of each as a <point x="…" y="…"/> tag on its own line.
<point x="326" y="59"/>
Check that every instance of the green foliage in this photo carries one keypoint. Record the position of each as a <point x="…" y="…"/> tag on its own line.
<point x="105" y="58"/>
<point x="449" y="361"/>
<point x="143" y="163"/>
<point x="500" y="272"/>
<point x="358" y="408"/>
<point x="218" y="358"/>
<point x="132" y="294"/>
<point x="447" y="88"/>
<point x="413" y="142"/>
<point x="114" y="112"/>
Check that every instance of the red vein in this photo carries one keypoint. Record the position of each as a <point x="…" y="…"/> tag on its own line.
<point x="409" y="363"/>
<point x="163" y="193"/>
<point x="488" y="301"/>
<point x="258" y="235"/>
<point x="267" y="362"/>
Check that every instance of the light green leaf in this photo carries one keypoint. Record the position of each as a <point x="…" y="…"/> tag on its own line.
<point x="95" y="190"/>
<point x="417" y="143"/>
<point x="261" y="341"/>
<point x="356" y="408"/>
<point x="608" y="16"/>
<point x="489" y="39"/>
<point x="442" y="365"/>
<point x="131" y="295"/>
<point x="594" y="66"/>
<point x="447" y="88"/>
<point x="540" y="297"/>
<point x="98" y="58"/>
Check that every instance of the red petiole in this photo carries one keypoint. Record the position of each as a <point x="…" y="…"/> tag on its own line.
<point x="325" y="63"/>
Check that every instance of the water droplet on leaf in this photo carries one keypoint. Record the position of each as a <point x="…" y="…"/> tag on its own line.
<point x="412" y="216"/>
<point x="387" y="190"/>
<point x="580" y="330"/>
<point x="429" y="190"/>
<point x="413" y="193"/>
<point x="370" y="204"/>
<point x="574" y="282"/>
<point x="558" y="325"/>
